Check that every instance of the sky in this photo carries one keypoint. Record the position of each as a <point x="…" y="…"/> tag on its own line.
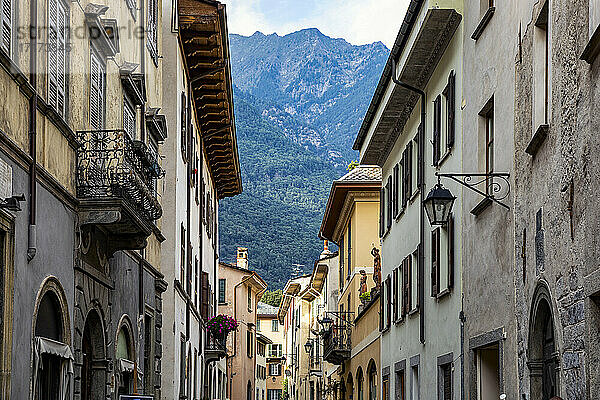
<point x="357" y="21"/>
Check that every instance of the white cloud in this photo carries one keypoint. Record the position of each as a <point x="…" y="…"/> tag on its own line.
<point x="357" y="21"/>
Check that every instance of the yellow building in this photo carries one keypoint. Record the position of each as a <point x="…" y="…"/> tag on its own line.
<point x="351" y="337"/>
<point x="269" y="326"/>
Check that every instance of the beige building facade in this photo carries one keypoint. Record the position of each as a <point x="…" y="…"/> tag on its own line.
<point x="269" y="326"/>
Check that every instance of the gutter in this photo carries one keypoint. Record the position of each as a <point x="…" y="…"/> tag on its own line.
<point x="421" y="184"/>
<point x="32" y="231"/>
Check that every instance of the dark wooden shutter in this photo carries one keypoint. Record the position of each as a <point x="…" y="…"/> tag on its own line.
<point x="403" y="163"/>
<point x="451" y="108"/>
<point x="405" y="308"/>
<point x="396" y="297"/>
<point x="381" y="308"/>
<point x="419" y="156"/>
<point x="435" y="261"/>
<point x="183" y="122"/>
<point x="409" y="162"/>
<point x="388" y="189"/>
<point x="437" y="119"/>
<point x="205" y="297"/>
<point x="389" y="301"/>
<point x="450" y="228"/>
<point x="420" y="283"/>
<point x="396" y="190"/>
<point x="381" y="211"/>
<point x="408" y="283"/>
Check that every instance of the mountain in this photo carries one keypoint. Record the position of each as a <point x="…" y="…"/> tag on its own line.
<point x="299" y="102"/>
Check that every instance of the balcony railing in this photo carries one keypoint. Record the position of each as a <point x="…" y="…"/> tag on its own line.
<point x="215" y="349"/>
<point x="337" y="340"/>
<point x="112" y="166"/>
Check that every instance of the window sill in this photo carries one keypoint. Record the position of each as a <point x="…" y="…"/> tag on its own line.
<point x="413" y="311"/>
<point x="441" y="295"/>
<point x="413" y="196"/>
<point x="400" y="214"/>
<point x="481" y="206"/>
<point x="541" y="133"/>
<point x="399" y="321"/>
<point x="443" y="158"/>
<point x="592" y="49"/>
<point x="483" y="23"/>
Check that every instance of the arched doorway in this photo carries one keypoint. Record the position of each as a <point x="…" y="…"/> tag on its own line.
<point x="372" y="373"/>
<point x="93" y="370"/>
<point x="542" y="355"/>
<point x="53" y="359"/>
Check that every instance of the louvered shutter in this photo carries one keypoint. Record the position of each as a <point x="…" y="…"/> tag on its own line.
<point x="396" y="190"/>
<point x="419" y="157"/>
<point x="205" y="297"/>
<point x="7" y="26"/>
<point x="404" y="169"/>
<point x="435" y="261"/>
<point x="389" y="203"/>
<point x="389" y="301"/>
<point x="395" y="291"/>
<point x="183" y="122"/>
<point x="96" y="93"/>
<point x="128" y="119"/>
<point x="404" y="293"/>
<point x="409" y="161"/>
<point x="409" y="272"/>
<point x="451" y="108"/>
<point x="437" y="119"/>
<point x="381" y="211"/>
<point x="61" y="58"/>
<point x="450" y="228"/>
<point x="52" y="53"/>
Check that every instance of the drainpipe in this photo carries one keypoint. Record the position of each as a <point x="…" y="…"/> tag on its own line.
<point x="31" y="238"/>
<point x="421" y="185"/>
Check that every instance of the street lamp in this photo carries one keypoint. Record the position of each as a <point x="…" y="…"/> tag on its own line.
<point x="326" y="322"/>
<point x="308" y="346"/>
<point x="438" y="205"/>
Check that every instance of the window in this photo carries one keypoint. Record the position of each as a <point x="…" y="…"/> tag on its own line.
<point x="260" y="348"/>
<point x="407" y="288"/>
<point x="249" y="298"/>
<point x="205" y="295"/>
<point x="435" y="262"/>
<point x="275" y="369"/>
<point x="7" y="26"/>
<point x="381" y="214"/>
<point x="196" y="282"/>
<point x="407" y="173"/>
<point x="388" y="192"/>
<point x="488" y="116"/>
<point x="222" y="286"/>
<point x="152" y="29"/>
<point x="349" y="247"/>
<point x="182" y="255"/>
<point x="341" y="252"/>
<point x="128" y="118"/>
<point x="249" y="350"/>
<point x="195" y="390"/>
<point x="487" y="361"/>
<point x="97" y="88"/>
<point x="400" y="385"/>
<point x="148" y="353"/>
<point x="415" y="164"/>
<point x="274" y="325"/>
<point x="182" y="366"/>
<point x="445" y="379"/>
<point x="450" y="111"/>
<point x="396" y="280"/>
<point x="414" y="383"/>
<point x="437" y="129"/>
<point x="541" y="71"/>
<point x="275" y="350"/>
<point x="397" y="183"/>
<point x="258" y="323"/>
<point x="273" y="394"/>
<point x="414" y="282"/>
<point x="57" y="53"/>
<point x="184" y="125"/>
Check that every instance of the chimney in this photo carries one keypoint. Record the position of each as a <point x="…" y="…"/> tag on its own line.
<point x="326" y="251"/>
<point x="242" y="257"/>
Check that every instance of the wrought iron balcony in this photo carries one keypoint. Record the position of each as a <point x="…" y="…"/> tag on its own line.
<point x="215" y="349"/>
<point x="337" y="341"/>
<point x="116" y="184"/>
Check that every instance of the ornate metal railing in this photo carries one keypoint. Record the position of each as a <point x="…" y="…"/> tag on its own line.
<point x="215" y="347"/>
<point x="337" y="340"/>
<point x="110" y="164"/>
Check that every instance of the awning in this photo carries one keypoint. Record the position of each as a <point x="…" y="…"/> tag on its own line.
<point x="43" y="346"/>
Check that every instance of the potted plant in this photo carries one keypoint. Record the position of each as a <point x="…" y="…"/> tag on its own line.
<point x="220" y="325"/>
<point x="365" y="298"/>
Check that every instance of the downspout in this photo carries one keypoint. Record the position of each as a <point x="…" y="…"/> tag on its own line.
<point x="421" y="184"/>
<point x="32" y="232"/>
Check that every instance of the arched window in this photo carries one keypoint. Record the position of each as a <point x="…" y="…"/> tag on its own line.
<point x="53" y="360"/>
<point x="372" y="380"/>
<point x="360" y="384"/>
<point x="124" y="356"/>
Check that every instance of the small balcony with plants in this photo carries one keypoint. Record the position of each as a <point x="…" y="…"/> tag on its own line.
<point x="218" y="328"/>
<point x="337" y="336"/>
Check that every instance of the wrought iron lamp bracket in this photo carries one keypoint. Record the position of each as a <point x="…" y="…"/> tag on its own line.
<point x="497" y="189"/>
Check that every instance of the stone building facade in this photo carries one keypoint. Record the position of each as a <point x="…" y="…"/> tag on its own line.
<point x="556" y="219"/>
